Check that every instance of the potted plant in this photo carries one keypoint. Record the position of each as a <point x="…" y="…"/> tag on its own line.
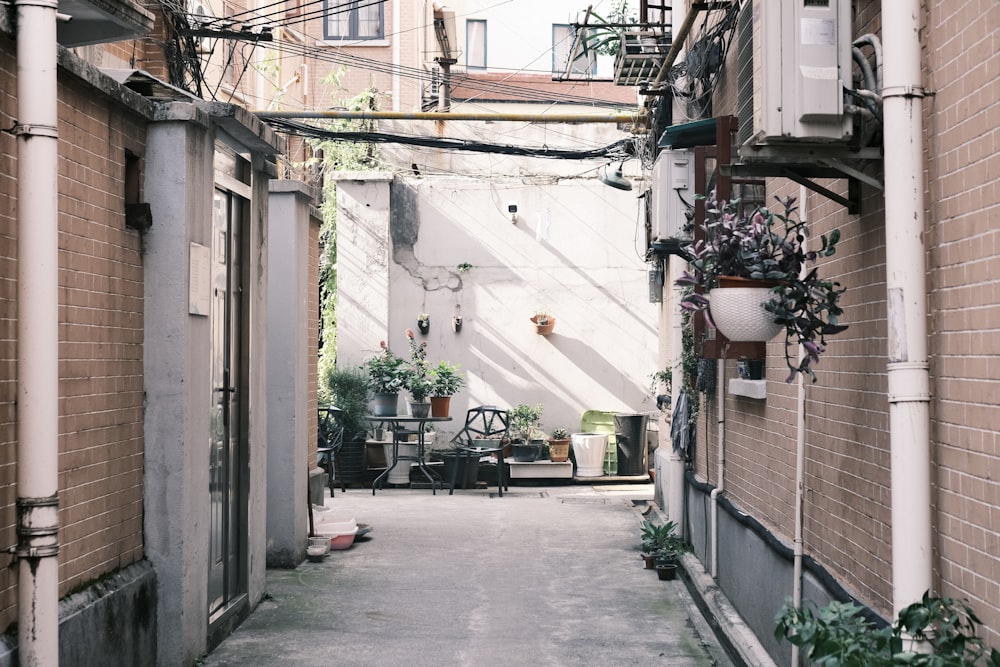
<point x="347" y="390"/>
<point x="387" y="376"/>
<point x="753" y="243"/>
<point x="559" y="445"/>
<point x="424" y="323"/>
<point x="524" y="420"/>
<point x="418" y="380"/>
<point x="544" y="322"/>
<point x="662" y="541"/>
<point x="445" y="382"/>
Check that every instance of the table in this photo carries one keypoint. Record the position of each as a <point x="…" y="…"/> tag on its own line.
<point x="402" y="429"/>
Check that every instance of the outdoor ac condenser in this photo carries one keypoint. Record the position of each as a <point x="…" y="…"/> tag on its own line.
<point x="672" y="193"/>
<point x="794" y="63"/>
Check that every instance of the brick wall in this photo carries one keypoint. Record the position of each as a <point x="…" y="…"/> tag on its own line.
<point x="847" y="498"/>
<point x="100" y="340"/>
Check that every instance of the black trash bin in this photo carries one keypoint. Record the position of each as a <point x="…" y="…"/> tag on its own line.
<point x="630" y="434"/>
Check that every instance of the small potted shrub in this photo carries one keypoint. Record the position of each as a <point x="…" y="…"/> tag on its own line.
<point x="446" y="380"/>
<point x="418" y="380"/>
<point x="763" y="252"/>
<point x="662" y="542"/>
<point x="387" y="376"/>
<point x="524" y="420"/>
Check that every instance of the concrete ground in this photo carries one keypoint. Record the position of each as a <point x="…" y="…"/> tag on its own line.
<point x="543" y="576"/>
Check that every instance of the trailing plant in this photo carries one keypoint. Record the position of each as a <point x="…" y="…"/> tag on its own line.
<point x="755" y="242"/>
<point x="934" y="632"/>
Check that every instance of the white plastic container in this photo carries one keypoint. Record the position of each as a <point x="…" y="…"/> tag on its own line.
<point x="588" y="449"/>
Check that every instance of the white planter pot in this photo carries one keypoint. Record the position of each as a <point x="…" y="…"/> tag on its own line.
<point x="738" y="313"/>
<point x="588" y="449"/>
<point x="401" y="473"/>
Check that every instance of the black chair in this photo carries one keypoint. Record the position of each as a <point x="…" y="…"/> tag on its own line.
<point x="482" y="424"/>
<point x="330" y="438"/>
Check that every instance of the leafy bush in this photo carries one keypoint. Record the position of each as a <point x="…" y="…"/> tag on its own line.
<point x="837" y="635"/>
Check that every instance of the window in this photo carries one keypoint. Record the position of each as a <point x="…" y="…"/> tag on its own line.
<point x="353" y="19"/>
<point x="562" y="42"/>
<point x="475" y="44"/>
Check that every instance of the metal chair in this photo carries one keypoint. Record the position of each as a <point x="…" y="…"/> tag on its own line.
<point x="330" y="437"/>
<point x="485" y="432"/>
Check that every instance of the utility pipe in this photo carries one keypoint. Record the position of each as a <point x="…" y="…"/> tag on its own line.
<point x="675" y="465"/>
<point x="438" y="116"/>
<point x="396" y="63"/>
<point x="720" y="486"/>
<point x="37" y="335"/>
<point x="906" y="273"/>
<point x="800" y="459"/>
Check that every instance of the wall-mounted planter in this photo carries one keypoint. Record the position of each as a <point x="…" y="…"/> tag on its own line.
<point x="545" y="327"/>
<point x="424" y="325"/>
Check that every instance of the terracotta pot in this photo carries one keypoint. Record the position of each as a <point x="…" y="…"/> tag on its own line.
<point x="440" y="406"/>
<point x="559" y="450"/>
<point x="648" y="559"/>
<point x="544" y="329"/>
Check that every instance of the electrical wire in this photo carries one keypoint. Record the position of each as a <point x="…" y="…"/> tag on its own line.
<point x="619" y="149"/>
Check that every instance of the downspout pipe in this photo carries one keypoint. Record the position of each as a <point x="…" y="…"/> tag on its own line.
<point x="720" y="486"/>
<point x="37" y="335"/>
<point x="675" y="465"/>
<point x="906" y="272"/>
<point x="798" y="547"/>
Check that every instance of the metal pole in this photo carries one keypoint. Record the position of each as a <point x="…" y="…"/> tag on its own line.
<point x="438" y="116"/>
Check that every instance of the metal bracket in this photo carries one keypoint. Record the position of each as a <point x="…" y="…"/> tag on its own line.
<point x="804" y="163"/>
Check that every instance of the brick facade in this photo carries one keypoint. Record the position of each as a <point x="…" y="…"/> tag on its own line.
<point x="847" y="521"/>
<point x="100" y="338"/>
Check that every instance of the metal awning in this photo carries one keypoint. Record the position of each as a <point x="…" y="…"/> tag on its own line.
<point x="689" y="135"/>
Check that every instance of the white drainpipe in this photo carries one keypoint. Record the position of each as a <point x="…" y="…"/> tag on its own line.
<point x="906" y="273"/>
<point x="37" y="336"/>
<point x="800" y="464"/>
<point x="720" y="487"/>
<point x="675" y="465"/>
<point x="396" y="36"/>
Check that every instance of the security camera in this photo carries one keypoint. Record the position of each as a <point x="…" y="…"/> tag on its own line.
<point x="512" y="209"/>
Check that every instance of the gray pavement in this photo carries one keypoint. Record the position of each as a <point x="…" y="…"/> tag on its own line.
<point x="542" y="576"/>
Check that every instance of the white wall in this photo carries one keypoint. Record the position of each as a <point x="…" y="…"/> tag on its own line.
<point x="575" y="249"/>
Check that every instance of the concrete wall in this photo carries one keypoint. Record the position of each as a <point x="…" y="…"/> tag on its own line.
<point x="179" y="190"/>
<point x="288" y="327"/>
<point x="572" y="249"/>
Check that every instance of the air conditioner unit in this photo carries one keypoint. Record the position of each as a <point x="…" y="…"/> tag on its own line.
<point x="794" y="63"/>
<point x="672" y="194"/>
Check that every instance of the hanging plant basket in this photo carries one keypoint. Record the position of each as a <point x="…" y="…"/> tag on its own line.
<point x="737" y="309"/>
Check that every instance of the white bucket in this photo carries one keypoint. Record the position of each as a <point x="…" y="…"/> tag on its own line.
<point x="588" y="450"/>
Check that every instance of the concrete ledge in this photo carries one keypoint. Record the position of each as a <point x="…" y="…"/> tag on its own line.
<point x="749" y="388"/>
<point x="540" y="469"/>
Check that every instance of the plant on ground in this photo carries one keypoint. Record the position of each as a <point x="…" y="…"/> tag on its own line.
<point x="934" y="632"/>
<point x="661" y="539"/>
<point x="347" y="389"/>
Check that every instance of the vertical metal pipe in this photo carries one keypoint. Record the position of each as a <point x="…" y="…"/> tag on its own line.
<point x="675" y="471"/>
<point x="720" y="487"/>
<point x="906" y="273"/>
<point x="800" y="460"/>
<point x="37" y="335"/>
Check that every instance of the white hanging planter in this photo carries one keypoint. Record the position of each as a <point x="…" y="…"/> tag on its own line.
<point x="738" y="313"/>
